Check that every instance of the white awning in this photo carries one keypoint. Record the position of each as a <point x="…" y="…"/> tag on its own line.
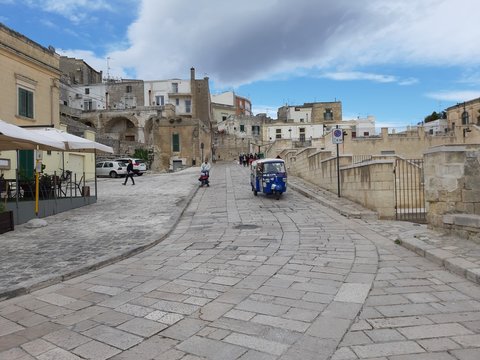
<point x="72" y="142"/>
<point x="13" y="137"/>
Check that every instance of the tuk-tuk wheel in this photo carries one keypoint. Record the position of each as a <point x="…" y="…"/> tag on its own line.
<point x="255" y="192"/>
<point x="277" y="195"/>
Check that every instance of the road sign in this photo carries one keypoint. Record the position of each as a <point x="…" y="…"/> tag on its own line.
<point x="337" y="136"/>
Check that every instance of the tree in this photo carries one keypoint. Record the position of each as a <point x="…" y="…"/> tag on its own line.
<point x="434" y="116"/>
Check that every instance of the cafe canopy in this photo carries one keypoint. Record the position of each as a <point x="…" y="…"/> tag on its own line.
<point x="13" y="137"/>
<point x="72" y="142"/>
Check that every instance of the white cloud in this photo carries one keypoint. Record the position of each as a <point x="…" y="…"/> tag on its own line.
<point x="74" y="10"/>
<point x="408" y="81"/>
<point x="378" y="78"/>
<point x="455" y="96"/>
<point x="260" y="39"/>
<point x="357" y="75"/>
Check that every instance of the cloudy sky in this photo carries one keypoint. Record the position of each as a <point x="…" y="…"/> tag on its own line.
<point x="398" y="60"/>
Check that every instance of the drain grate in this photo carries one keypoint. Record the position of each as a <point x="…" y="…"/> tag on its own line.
<point x="246" y="226"/>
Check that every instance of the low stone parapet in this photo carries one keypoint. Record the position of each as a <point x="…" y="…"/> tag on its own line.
<point x="465" y="225"/>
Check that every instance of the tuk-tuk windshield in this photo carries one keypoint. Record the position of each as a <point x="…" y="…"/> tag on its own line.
<point x="274" y="167"/>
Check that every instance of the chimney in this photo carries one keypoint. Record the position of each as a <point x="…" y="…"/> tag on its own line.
<point x="192" y="73"/>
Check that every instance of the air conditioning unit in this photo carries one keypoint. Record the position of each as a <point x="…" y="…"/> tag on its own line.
<point x="78" y="96"/>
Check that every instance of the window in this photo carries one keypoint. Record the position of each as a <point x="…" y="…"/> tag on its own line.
<point x="242" y="128"/>
<point x="175" y="88"/>
<point x="129" y="88"/>
<point x="177" y="101"/>
<point x="25" y="103"/>
<point x="88" y="105"/>
<point x="224" y="118"/>
<point x="188" y="106"/>
<point x="175" y="142"/>
<point x="130" y="137"/>
<point x="465" y="118"/>
<point x="160" y="100"/>
<point x="328" y="114"/>
<point x="255" y="130"/>
<point x="278" y="133"/>
<point x="87" y="91"/>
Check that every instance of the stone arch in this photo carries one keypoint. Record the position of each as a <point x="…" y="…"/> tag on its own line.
<point x="121" y="127"/>
<point x="90" y="124"/>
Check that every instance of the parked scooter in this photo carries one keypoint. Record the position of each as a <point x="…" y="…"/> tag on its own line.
<point x="204" y="178"/>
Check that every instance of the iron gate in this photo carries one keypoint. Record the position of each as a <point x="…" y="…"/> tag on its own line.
<point x="409" y="190"/>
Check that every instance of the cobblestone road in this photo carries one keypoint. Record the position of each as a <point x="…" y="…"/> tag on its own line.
<point x="245" y="277"/>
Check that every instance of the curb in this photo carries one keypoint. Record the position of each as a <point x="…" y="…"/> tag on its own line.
<point x="447" y="259"/>
<point x="40" y="283"/>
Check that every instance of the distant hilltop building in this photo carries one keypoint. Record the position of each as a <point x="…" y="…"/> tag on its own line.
<point x="316" y="113"/>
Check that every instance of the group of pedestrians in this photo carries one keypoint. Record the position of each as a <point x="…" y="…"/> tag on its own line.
<point x="247" y="159"/>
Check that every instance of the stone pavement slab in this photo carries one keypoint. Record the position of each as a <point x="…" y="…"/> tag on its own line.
<point x="124" y="221"/>
<point x="312" y="284"/>
<point x="456" y="254"/>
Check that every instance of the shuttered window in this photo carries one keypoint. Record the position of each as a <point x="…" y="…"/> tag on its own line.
<point x="175" y="142"/>
<point x="25" y="103"/>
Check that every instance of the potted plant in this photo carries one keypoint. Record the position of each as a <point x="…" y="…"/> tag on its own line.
<point x="6" y="219"/>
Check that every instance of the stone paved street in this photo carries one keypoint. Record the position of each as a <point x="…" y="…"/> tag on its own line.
<point x="244" y="277"/>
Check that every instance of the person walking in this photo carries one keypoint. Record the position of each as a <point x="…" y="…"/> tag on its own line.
<point x="129" y="173"/>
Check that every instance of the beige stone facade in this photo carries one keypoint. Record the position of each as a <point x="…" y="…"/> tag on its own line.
<point x="30" y="67"/>
<point x="29" y="78"/>
<point x="466" y="113"/>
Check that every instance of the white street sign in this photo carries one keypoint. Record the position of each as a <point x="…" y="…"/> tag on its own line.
<point x="337" y="136"/>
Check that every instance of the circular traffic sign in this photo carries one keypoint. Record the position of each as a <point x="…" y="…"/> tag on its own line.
<point x="337" y="133"/>
<point x="337" y="136"/>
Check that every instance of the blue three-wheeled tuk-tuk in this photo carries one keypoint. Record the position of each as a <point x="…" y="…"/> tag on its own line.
<point x="269" y="177"/>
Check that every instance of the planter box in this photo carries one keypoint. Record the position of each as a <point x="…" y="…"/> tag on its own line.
<point x="6" y="221"/>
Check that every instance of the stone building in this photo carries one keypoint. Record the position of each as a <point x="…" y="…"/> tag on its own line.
<point x="239" y="134"/>
<point x="124" y="94"/>
<point x="325" y="113"/>
<point x="464" y="114"/>
<point x="228" y="104"/>
<point x="176" y="138"/>
<point x="30" y="90"/>
<point x="176" y="92"/>
<point x="79" y="72"/>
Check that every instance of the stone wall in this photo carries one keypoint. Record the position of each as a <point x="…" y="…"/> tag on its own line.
<point x="370" y="184"/>
<point x="452" y="183"/>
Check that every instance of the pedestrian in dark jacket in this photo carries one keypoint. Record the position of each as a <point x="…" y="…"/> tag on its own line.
<point x="129" y="173"/>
